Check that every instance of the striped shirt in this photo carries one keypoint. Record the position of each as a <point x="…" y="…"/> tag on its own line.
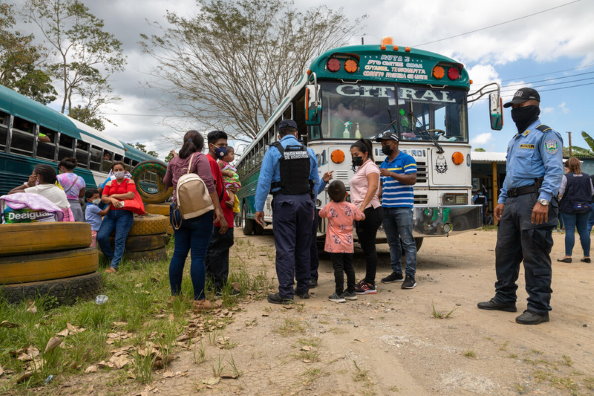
<point x="395" y="194"/>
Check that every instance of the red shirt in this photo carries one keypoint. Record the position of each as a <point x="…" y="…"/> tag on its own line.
<point x="218" y="179"/>
<point x="113" y="187"/>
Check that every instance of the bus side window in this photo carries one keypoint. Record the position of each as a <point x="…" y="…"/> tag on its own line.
<point x="46" y="143"/>
<point x="66" y="147"/>
<point x="288" y="114"/>
<point x="82" y="153"/>
<point x="23" y="136"/>
<point x="106" y="161"/>
<point x="127" y="162"/>
<point x="134" y="163"/>
<point x="119" y="157"/>
<point x="4" y="120"/>
<point x="96" y="156"/>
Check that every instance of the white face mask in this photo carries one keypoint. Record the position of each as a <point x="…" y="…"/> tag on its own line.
<point x="96" y="201"/>
<point x="119" y="174"/>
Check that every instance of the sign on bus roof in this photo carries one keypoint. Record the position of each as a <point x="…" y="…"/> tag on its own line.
<point x="389" y="65"/>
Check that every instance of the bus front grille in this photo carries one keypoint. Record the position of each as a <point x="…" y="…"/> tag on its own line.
<point x="420" y="199"/>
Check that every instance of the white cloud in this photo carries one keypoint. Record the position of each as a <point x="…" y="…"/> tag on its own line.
<point x="482" y="138"/>
<point x="563" y="107"/>
<point x="547" y="110"/>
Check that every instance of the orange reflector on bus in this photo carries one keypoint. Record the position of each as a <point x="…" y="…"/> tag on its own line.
<point x="337" y="156"/>
<point x="350" y="66"/>
<point x="407" y="49"/>
<point x="457" y="158"/>
<point x="385" y="42"/>
<point x="438" y="72"/>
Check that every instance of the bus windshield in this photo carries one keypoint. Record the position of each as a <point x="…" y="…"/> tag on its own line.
<point x="416" y="113"/>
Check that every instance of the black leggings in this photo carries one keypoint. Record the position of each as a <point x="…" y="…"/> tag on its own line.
<point x="366" y="232"/>
<point x="343" y="264"/>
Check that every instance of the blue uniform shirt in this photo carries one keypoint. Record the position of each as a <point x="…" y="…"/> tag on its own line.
<point x="533" y="154"/>
<point x="270" y="170"/>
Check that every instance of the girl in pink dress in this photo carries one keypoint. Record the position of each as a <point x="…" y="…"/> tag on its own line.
<point x="339" y="239"/>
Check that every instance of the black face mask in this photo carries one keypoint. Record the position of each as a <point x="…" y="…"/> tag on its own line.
<point x="387" y="150"/>
<point x="524" y="116"/>
<point x="357" y="161"/>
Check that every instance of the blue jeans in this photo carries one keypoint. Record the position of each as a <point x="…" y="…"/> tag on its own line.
<point x="579" y="221"/>
<point x="591" y="219"/>
<point x="120" y="221"/>
<point x="193" y="234"/>
<point x="398" y="226"/>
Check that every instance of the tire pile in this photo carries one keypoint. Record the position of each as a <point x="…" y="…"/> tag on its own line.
<point x="148" y="237"/>
<point x="48" y="259"/>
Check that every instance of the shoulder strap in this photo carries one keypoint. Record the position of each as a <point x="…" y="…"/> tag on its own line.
<point x="190" y="166"/>
<point x="543" y="128"/>
<point x="279" y="147"/>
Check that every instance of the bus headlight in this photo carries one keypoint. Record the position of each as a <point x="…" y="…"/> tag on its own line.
<point x="449" y="199"/>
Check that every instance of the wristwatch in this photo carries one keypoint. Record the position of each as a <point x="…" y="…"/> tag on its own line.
<point x="543" y="202"/>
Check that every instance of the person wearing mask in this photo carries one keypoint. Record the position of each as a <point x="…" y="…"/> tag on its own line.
<point x="575" y="194"/>
<point x="93" y="213"/>
<point x="217" y="256"/>
<point x="119" y="218"/>
<point x="194" y="234"/>
<point x="399" y="174"/>
<point x="43" y="182"/>
<point x="364" y="194"/>
<point x="527" y="211"/>
<point x="73" y="185"/>
<point x="289" y="172"/>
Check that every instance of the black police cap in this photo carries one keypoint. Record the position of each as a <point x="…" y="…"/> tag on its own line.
<point x="522" y="95"/>
<point x="386" y="135"/>
<point x="287" y="124"/>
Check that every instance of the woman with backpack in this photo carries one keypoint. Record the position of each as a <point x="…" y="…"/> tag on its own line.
<point x="576" y="195"/>
<point x="193" y="233"/>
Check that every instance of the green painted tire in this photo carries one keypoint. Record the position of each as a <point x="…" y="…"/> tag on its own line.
<point x="159" y="193"/>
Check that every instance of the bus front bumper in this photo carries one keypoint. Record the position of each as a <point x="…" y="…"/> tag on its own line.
<point x="446" y="220"/>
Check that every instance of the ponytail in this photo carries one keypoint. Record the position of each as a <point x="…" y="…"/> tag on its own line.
<point x="364" y="146"/>
<point x="193" y="142"/>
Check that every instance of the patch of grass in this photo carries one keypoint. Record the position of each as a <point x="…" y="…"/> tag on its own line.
<point x="563" y="383"/>
<point x="199" y="353"/>
<point x="470" y="354"/>
<point x="394" y="389"/>
<point x="566" y="361"/>
<point x="441" y="314"/>
<point x="217" y="367"/>
<point x="588" y="383"/>
<point x="504" y="346"/>
<point x="360" y="375"/>
<point x="309" y="356"/>
<point x="234" y="370"/>
<point x="313" y="342"/>
<point x="312" y="374"/>
<point x="290" y="327"/>
<point x="143" y="368"/>
<point x="512" y="356"/>
<point x="521" y="389"/>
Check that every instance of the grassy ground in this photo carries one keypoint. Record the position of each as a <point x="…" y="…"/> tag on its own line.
<point x="138" y="318"/>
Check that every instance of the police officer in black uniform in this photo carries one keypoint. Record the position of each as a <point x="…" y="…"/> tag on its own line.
<point x="290" y="172"/>
<point x="527" y="209"/>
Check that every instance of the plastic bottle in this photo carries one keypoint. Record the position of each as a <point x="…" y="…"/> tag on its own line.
<point x="48" y="379"/>
<point x="101" y="299"/>
<point x="357" y="132"/>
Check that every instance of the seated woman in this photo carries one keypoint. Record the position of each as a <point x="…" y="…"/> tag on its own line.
<point x="119" y="218"/>
<point x="73" y="185"/>
<point x="43" y="182"/>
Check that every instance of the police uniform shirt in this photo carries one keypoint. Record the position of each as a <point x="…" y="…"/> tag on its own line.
<point x="534" y="154"/>
<point x="270" y="170"/>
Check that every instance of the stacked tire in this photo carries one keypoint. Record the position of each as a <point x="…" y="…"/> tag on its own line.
<point x="48" y="259"/>
<point x="148" y="238"/>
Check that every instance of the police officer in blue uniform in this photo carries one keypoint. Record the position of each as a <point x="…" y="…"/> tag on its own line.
<point x="527" y="210"/>
<point x="290" y="172"/>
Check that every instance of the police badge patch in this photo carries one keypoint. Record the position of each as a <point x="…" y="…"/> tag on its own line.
<point x="552" y="146"/>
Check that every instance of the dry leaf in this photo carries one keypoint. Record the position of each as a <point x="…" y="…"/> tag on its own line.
<point x="52" y="343"/>
<point x="229" y="376"/>
<point x="32" y="308"/>
<point x="74" y="329"/>
<point x="24" y="377"/>
<point x="28" y="354"/>
<point x="168" y="374"/>
<point x="183" y="337"/>
<point x="306" y="361"/>
<point x="119" y="361"/>
<point x="120" y="324"/>
<point x="211" y="381"/>
<point x="1" y="371"/>
<point x="91" y="369"/>
<point x="306" y="348"/>
<point x="64" y="333"/>
<point x="8" y="325"/>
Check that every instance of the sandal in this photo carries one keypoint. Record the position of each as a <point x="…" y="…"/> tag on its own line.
<point x="202" y="305"/>
<point x="586" y="260"/>
<point x="565" y="260"/>
<point x="111" y="270"/>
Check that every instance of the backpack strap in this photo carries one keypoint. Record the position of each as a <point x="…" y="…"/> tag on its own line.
<point x="190" y="166"/>
<point x="543" y="128"/>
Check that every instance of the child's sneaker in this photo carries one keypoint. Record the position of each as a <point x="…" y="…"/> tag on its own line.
<point x="347" y="295"/>
<point x="336" y="298"/>
<point x="365" y="288"/>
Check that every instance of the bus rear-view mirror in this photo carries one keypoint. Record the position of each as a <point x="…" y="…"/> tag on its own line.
<point x="495" y="111"/>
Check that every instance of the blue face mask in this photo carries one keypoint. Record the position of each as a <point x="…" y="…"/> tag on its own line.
<point x="220" y="152"/>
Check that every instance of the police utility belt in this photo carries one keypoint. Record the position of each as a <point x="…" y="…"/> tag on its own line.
<point x="294" y="171"/>
<point x="532" y="188"/>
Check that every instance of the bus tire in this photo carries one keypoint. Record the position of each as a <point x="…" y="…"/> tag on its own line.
<point x="418" y="243"/>
<point x="66" y="290"/>
<point x="28" y="238"/>
<point x="140" y="243"/>
<point x="46" y="266"/>
<point x="248" y="224"/>
<point x="159" y="168"/>
<point x="149" y="225"/>
<point x="160" y="209"/>
<point x="147" y="255"/>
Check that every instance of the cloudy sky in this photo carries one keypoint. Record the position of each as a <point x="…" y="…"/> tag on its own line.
<point x="515" y="43"/>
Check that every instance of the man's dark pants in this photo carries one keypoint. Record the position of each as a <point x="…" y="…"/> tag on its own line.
<point x="217" y="257"/>
<point x="314" y="262"/>
<point x="292" y="224"/>
<point x="518" y="239"/>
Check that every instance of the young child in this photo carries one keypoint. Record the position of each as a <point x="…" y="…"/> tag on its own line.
<point x="339" y="239"/>
<point x="230" y="177"/>
<point x="93" y="212"/>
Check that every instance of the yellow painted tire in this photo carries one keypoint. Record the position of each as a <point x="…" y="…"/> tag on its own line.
<point x="45" y="266"/>
<point x="169" y="229"/>
<point x="141" y="243"/>
<point x="147" y="255"/>
<point x="149" y="225"/>
<point x="160" y="209"/>
<point x="27" y="238"/>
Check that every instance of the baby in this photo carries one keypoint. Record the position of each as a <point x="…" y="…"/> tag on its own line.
<point x="230" y="178"/>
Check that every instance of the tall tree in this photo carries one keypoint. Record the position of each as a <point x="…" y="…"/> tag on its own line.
<point x="20" y="61"/>
<point x="142" y="147"/>
<point x="86" y="55"/>
<point x="231" y="64"/>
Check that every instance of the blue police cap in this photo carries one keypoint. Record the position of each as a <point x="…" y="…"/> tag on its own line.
<point x="287" y="124"/>
<point x="386" y="135"/>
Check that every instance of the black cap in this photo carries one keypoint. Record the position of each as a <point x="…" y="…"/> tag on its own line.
<point x="386" y="135"/>
<point x="287" y="124"/>
<point x="522" y="95"/>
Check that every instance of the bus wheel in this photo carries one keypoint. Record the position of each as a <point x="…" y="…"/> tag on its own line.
<point x="418" y="243"/>
<point x="248" y="224"/>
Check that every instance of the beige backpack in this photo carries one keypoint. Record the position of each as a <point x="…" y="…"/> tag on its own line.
<point x="192" y="196"/>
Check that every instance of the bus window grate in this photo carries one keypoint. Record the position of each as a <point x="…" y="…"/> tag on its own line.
<point x="341" y="175"/>
<point x="421" y="172"/>
<point x="420" y="199"/>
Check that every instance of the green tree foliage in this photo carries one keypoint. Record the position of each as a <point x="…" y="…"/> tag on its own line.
<point x="85" y="55"/>
<point x="232" y="63"/>
<point x="142" y="147"/>
<point x="589" y="141"/>
<point x="20" y="61"/>
<point x="480" y="150"/>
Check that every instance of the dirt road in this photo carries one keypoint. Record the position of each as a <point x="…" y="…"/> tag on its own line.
<point x="392" y="342"/>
